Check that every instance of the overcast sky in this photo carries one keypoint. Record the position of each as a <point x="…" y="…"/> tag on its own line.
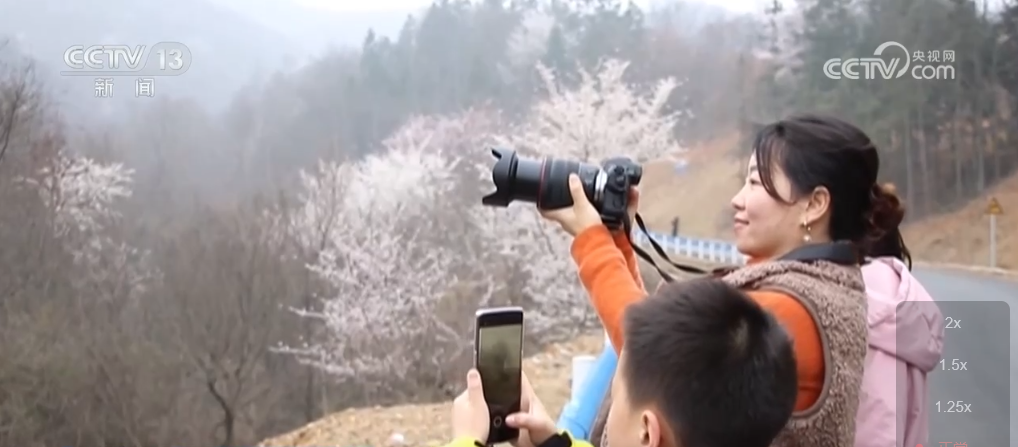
<point x="404" y="5"/>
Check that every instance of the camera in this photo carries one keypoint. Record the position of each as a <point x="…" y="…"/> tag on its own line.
<point x="546" y="183"/>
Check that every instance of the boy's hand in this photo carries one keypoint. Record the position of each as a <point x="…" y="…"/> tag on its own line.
<point x="532" y="416"/>
<point x="470" y="417"/>
<point x="538" y="427"/>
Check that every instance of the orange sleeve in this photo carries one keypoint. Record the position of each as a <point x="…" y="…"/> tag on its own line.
<point x="626" y="247"/>
<point x="809" y="351"/>
<point x="608" y="279"/>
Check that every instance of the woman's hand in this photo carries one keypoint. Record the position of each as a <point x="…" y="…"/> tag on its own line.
<point x="580" y="216"/>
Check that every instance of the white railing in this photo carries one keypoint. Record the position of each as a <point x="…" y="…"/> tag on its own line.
<point x="711" y="250"/>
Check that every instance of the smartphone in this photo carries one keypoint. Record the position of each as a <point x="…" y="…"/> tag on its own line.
<point x="498" y="356"/>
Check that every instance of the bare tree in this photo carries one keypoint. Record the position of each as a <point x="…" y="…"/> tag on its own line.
<point x="224" y="288"/>
<point x="19" y="100"/>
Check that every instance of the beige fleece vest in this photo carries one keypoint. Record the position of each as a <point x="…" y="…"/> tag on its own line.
<point x="835" y="296"/>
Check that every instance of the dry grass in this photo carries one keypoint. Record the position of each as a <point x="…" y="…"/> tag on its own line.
<point x="962" y="237"/>
<point x="700" y="196"/>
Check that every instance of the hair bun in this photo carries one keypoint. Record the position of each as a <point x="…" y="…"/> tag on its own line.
<point x="886" y="211"/>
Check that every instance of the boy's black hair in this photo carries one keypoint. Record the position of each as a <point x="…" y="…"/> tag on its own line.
<point x="719" y="367"/>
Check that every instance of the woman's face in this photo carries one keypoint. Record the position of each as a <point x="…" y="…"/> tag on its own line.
<point x="765" y="227"/>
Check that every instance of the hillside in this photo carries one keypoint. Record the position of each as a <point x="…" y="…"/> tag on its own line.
<point x="318" y="28"/>
<point x="699" y="196"/>
<point x="962" y="237"/>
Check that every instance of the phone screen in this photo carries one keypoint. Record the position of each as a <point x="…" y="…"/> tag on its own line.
<point x="499" y="357"/>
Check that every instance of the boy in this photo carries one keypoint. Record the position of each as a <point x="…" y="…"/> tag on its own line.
<point x="702" y="366"/>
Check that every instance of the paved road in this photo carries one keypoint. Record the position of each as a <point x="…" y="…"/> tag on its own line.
<point x="980" y="393"/>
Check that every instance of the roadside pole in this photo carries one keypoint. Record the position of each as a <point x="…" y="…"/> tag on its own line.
<point x="993" y="209"/>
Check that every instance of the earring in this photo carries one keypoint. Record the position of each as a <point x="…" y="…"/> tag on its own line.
<point x="807" y="238"/>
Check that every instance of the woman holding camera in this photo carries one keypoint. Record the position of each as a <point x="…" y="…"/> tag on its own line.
<point x="807" y="215"/>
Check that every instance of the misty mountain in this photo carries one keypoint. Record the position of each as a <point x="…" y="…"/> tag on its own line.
<point x="228" y="48"/>
<point x="689" y="16"/>
<point x="318" y="29"/>
<point x="233" y="42"/>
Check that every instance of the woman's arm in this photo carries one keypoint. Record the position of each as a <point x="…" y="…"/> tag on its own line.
<point x="624" y="245"/>
<point x="809" y="351"/>
<point x="611" y="282"/>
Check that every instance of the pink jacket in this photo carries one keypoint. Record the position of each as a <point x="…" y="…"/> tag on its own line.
<point x="896" y="373"/>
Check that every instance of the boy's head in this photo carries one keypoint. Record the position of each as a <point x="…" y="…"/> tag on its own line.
<point x="703" y="365"/>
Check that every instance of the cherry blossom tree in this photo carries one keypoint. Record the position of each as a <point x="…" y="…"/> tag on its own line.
<point x="373" y="221"/>
<point x="516" y="237"/>
<point x="394" y="234"/>
<point x="513" y="250"/>
<point x="82" y="194"/>
<point x="602" y="117"/>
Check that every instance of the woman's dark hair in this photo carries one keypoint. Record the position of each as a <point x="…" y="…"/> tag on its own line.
<point x="892" y="243"/>
<point x="816" y="150"/>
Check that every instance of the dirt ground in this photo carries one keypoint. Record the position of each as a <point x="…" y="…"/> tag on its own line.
<point x="700" y="197"/>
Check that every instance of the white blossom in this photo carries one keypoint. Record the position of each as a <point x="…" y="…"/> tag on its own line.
<point x="81" y="192"/>
<point x="372" y="222"/>
<point x="603" y="117"/>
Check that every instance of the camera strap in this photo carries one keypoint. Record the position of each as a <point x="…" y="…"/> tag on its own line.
<point x="841" y="252"/>
<point x="657" y="249"/>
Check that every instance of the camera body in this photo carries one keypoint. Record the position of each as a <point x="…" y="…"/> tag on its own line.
<point x="546" y="183"/>
<point x="611" y="198"/>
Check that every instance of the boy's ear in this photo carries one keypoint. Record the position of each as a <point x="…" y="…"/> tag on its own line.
<point x="651" y="429"/>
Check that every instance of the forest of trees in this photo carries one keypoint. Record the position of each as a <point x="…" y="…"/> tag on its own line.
<point x="200" y="278"/>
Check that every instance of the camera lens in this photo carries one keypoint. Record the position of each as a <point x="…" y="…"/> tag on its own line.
<point x="543" y="182"/>
<point x="555" y="191"/>
<point x="514" y="179"/>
